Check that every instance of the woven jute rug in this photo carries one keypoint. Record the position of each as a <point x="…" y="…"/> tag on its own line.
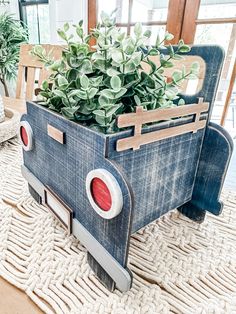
<point x="179" y="266"/>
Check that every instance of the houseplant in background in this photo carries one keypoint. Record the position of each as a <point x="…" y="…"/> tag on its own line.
<point x="12" y="34"/>
<point x="103" y="183"/>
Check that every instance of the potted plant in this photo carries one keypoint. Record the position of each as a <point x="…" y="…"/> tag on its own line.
<point x="95" y="154"/>
<point x="12" y="34"/>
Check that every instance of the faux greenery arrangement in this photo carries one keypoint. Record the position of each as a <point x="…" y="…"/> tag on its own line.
<point x="94" y="86"/>
<point x="12" y="34"/>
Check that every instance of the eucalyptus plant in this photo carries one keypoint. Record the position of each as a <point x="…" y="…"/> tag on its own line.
<point x="93" y="86"/>
<point x="12" y="34"/>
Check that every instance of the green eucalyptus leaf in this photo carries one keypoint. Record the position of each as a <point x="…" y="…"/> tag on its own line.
<point x="69" y="112"/>
<point x="168" y="36"/>
<point x="130" y="66"/>
<point x="99" y="112"/>
<point x="92" y="92"/>
<point x="62" y="34"/>
<point x="154" y="52"/>
<point x="66" y="27"/>
<point x="59" y="93"/>
<point x="44" y="94"/>
<point x="62" y="81"/>
<point x="86" y="67"/>
<point x="137" y="100"/>
<point x="177" y="76"/>
<point x="84" y="81"/>
<point x="115" y="83"/>
<point x="112" y="72"/>
<point x="117" y="56"/>
<point x="184" y="49"/>
<point x="112" y="110"/>
<point x="138" y="29"/>
<point x="181" y="102"/>
<point x="103" y="100"/>
<point x="45" y="85"/>
<point x="147" y="33"/>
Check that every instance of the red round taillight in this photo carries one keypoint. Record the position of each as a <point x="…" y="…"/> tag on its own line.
<point x="101" y="194"/>
<point x="104" y="193"/>
<point x="26" y="135"/>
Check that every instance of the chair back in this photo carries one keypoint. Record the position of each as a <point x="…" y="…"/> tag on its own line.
<point x="31" y="71"/>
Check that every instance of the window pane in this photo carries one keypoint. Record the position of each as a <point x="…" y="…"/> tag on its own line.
<point x="44" y="25"/>
<point x="156" y="29"/>
<point x="144" y="11"/>
<point x="214" y="34"/>
<point x="217" y="9"/>
<point x="225" y="36"/>
<point x="37" y="20"/>
<point x="31" y="17"/>
<point x="108" y="6"/>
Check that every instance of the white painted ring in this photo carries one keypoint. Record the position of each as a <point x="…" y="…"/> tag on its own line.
<point x="29" y="132"/>
<point x="114" y="189"/>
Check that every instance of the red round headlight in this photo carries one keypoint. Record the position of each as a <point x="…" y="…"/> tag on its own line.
<point x="26" y="135"/>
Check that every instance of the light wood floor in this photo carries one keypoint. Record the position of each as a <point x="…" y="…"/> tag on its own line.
<point x="15" y="301"/>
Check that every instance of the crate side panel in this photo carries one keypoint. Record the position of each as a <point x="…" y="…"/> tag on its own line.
<point x="161" y="175"/>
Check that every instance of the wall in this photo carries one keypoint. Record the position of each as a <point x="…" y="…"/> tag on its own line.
<point x="11" y="8"/>
<point x="62" y="11"/>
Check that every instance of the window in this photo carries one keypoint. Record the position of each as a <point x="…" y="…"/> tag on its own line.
<point x="153" y="15"/>
<point x="35" y="14"/>
<point x="195" y="21"/>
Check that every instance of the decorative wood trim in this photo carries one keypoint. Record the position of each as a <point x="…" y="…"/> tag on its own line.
<point x="189" y="20"/>
<point x="175" y="18"/>
<point x="228" y="96"/>
<point x="56" y="134"/>
<point x="141" y="117"/>
<point x="67" y="210"/>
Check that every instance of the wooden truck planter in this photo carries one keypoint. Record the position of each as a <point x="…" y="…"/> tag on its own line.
<point x="104" y="188"/>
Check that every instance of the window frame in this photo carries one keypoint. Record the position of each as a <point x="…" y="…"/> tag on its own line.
<point x="22" y="11"/>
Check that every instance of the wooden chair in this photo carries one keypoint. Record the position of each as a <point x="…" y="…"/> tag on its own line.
<point x="26" y="84"/>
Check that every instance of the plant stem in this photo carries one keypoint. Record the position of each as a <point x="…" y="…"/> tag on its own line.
<point x="5" y="86"/>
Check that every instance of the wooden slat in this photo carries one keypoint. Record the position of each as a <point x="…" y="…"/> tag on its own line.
<point x="228" y="96"/>
<point x="136" y="141"/>
<point x="30" y="83"/>
<point x="43" y="75"/>
<point x="142" y="117"/>
<point x="130" y="119"/>
<point x="20" y="81"/>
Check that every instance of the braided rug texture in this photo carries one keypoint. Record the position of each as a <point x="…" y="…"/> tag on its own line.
<point x="179" y="266"/>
